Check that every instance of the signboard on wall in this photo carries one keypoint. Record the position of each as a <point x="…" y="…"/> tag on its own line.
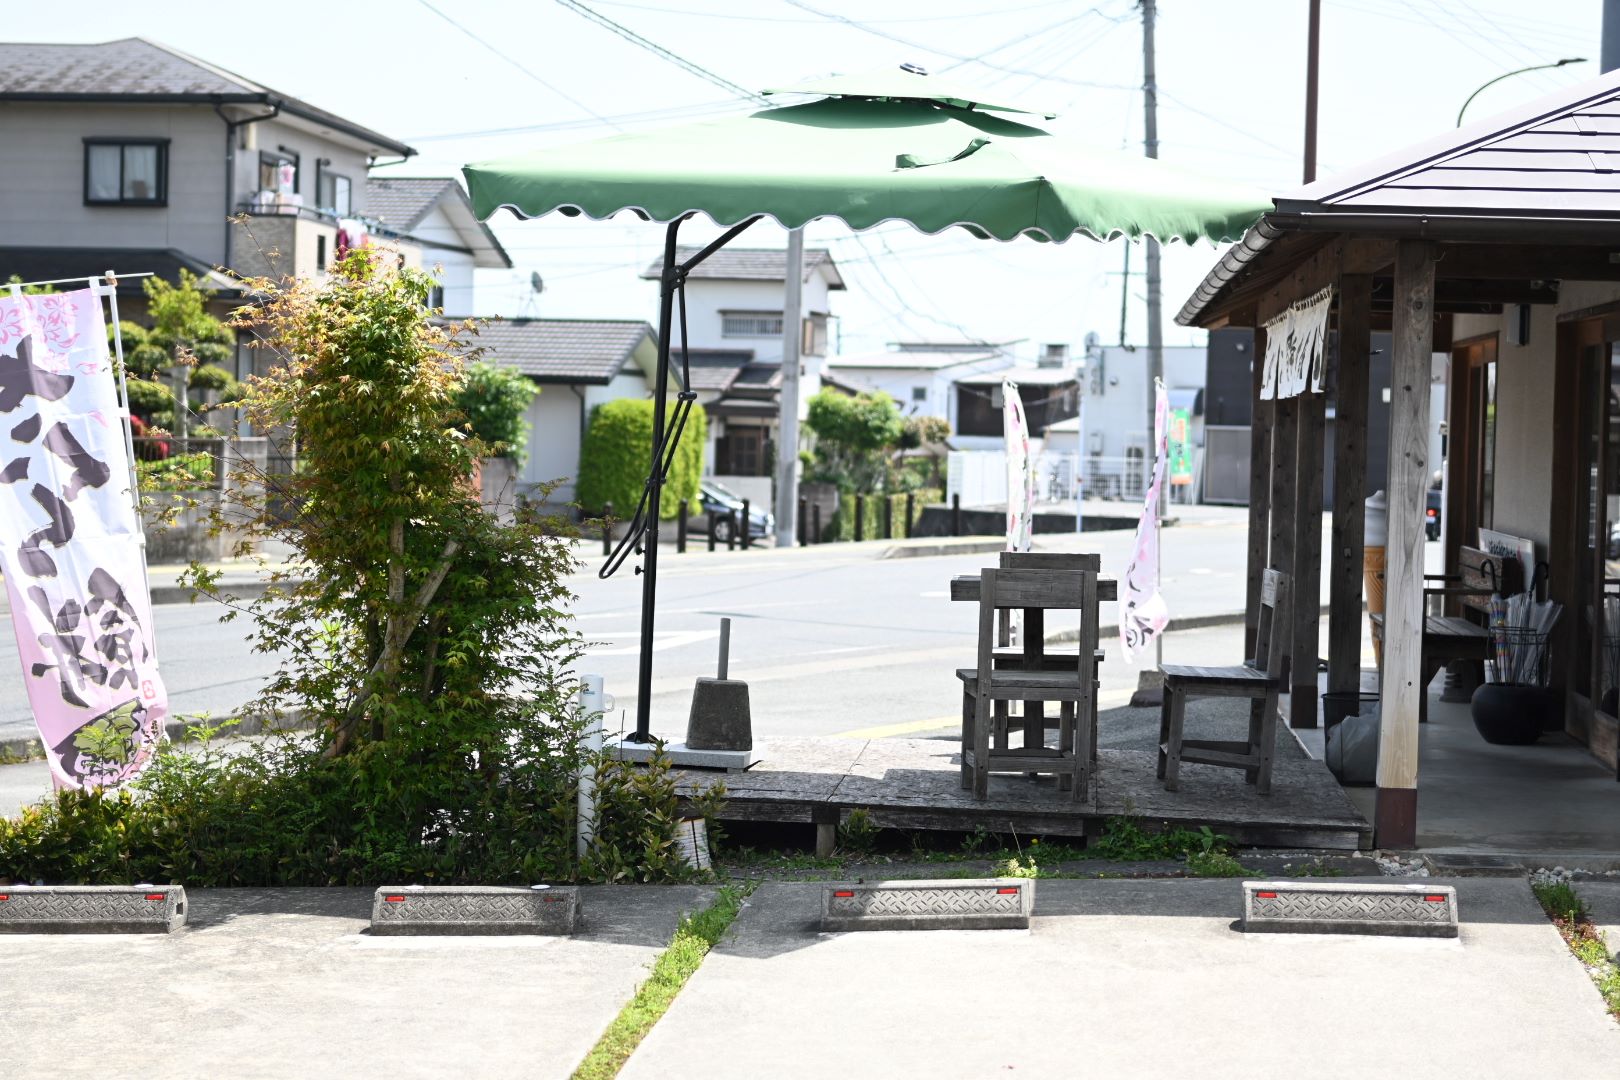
<point x="1181" y="456"/>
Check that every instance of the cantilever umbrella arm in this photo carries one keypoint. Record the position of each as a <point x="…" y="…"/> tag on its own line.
<point x="643" y="530"/>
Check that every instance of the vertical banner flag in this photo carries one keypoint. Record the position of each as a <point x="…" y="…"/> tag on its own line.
<point x="70" y="543"/>
<point x="1020" y="470"/>
<point x="1143" y="613"/>
<point x="1181" y="465"/>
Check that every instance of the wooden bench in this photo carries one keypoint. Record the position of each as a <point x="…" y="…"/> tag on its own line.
<point x="1465" y="637"/>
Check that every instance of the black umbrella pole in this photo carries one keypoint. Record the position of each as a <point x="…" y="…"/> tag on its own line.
<point x="655" y="485"/>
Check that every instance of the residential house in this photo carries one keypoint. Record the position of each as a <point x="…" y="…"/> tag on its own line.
<point x="734" y="313"/>
<point x="577" y="364"/>
<point x="133" y="156"/>
<point x="436" y="213"/>
<point x="920" y="375"/>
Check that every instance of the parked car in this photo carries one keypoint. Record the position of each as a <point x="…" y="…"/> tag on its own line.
<point x="1431" y="516"/>
<point x="716" y="504"/>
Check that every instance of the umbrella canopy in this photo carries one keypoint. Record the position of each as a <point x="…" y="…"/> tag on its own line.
<point x="870" y="155"/>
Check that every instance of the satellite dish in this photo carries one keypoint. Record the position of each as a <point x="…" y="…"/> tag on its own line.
<point x="537" y="283"/>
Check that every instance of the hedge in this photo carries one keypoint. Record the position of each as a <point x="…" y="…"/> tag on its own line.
<point x="842" y="526"/>
<point x="618" y="449"/>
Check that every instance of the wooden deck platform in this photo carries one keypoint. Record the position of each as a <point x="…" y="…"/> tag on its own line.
<point x="915" y="784"/>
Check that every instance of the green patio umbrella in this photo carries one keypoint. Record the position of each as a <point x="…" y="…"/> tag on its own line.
<point x="895" y="145"/>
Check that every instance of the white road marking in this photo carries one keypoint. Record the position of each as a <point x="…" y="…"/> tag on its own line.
<point x="662" y="640"/>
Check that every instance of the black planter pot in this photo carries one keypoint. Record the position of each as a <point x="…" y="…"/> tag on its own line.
<point x="1513" y="715"/>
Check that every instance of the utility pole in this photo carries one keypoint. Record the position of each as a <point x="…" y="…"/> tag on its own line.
<point x="1125" y="294"/>
<point x="1313" y="48"/>
<point x="1155" y="314"/>
<point x="787" y="440"/>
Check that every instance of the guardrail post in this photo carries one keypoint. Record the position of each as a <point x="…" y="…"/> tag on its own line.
<point x="731" y="533"/>
<point x="909" y="510"/>
<point x="860" y="518"/>
<point x="815" y="523"/>
<point x="804" y="521"/>
<point x="956" y="515"/>
<point x="680" y="529"/>
<point x="746" y="539"/>
<point x="607" y="528"/>
<point x="888" y="517"/>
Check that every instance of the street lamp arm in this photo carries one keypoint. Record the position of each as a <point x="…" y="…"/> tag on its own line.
<point x="1509" y="75"/>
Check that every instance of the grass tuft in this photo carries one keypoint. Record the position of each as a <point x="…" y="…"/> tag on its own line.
<point x="693" y="939"/>
<point x="1568" y="913"/>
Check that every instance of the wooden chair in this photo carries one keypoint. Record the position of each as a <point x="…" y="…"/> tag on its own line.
<point x="1072" y="684"/>
<point x="1260" y="683"/>
<point x="1032" y="652"/>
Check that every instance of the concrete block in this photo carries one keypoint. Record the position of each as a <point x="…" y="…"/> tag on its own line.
<point x="1297" y="907"/>
<point x="92" y="909"/>
<point x="684" y="756"/>
<point x="949" y="904"/>
<point x="474" y="909"/>
<point x="720" y="719"/>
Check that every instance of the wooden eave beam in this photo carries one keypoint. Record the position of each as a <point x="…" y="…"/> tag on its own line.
<point x="1528" y="262"/>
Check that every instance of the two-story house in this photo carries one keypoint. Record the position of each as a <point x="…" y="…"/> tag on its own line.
<point x="734" y="316"/>
<point x="133" y="156"/>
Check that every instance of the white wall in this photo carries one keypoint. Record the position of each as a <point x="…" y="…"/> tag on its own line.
<point x="1116" y="391"/>
<point x="271" y="136"/>
<point x="554" y="437"/>
<point x="706" y="299"/>
<point x="443" y="247"/>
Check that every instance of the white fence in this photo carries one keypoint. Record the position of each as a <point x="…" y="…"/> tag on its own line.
<point x="980" y="477"/>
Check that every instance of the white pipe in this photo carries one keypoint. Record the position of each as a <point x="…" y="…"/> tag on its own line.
<point x="592" y="705"/>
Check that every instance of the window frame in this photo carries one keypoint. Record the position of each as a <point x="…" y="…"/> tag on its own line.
<point x="278" y="155"/>
<point x="157" y="143"/>
<point x="756" y="316"/>
<point x="322" y="177"/>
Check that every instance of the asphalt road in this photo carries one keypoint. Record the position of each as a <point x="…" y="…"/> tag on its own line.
<point x="831" y="640"/>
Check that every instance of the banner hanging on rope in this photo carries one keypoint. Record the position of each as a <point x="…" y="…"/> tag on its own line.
<point x="1020" y="470"/>
<point x="1143" y="614"/>
<point x="70" y="543"/>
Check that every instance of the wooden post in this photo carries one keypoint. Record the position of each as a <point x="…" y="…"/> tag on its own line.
<point x="1260" y="422"/>
<point x="1349" y="482"/>
<point x="1284" y="446"/>
<point x="1412" y="326"/>
<point x="1306" y="621"/>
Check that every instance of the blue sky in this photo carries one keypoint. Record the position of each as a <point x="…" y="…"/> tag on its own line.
<point x="1231" y="74"/>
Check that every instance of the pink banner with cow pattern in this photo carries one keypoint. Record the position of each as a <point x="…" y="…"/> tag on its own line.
<point x="70" y="542"/>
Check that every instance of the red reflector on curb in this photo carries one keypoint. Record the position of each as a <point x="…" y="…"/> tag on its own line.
<point x="394" y="899"/>
<point x="155" y="896"/>
<point x="1266" y="894"/>
<point x="555" y="899"/>
<point x="5" y="897"/>
<point x="1435" y="899"/>
<point x="1011" y="891"/>
<point x="843" y="892"/>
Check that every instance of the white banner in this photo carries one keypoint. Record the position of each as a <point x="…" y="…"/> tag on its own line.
<point x="1143" y="614"/>
<point x="1020" y="470"/>
<point x="70" y="543"/>
<point x="1296" y="343"/>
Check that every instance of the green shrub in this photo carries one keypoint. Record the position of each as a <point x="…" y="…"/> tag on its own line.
<point x="842" y="526"/>
<point x="147" y="397"/>
<point x="183" y="472"/>
<point x="494" y="401"/>
<point x="617" y="451"/>
<point x="210" y="377"/>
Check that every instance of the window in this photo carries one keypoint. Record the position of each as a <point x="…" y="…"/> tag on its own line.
<point x="436" y="301"/>
<point x="919" y="394"/>
<point x="126" y="172"/>
<point x="814" y="339"/>
<point x="750" y="324"/>
<point x="320" y="253"/>
<point x="332" y="193"/>
<point x="278" y="171"/>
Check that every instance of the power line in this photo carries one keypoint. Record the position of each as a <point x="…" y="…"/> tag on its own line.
<point x="680" y="112"/>
<point x="658" y="50"/>
<point x="565" y="95"/>
<point x="780" y="19"/>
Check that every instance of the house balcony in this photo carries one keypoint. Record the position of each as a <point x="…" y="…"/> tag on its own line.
<point x="280" y="240"/>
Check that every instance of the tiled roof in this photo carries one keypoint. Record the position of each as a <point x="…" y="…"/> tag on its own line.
<point x="142" y="69"/>
<point x="563" y="350"/>
<point x="402" y="202"/>
<point x="750" y="264"/>
<point x="713" y="369"/>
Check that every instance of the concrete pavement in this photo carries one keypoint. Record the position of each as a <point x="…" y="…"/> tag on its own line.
<point x="1140" y="979"/>
<point x="283" y="983"/>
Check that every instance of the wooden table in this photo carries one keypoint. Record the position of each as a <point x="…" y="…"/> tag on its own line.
<point x="965" y="588"/>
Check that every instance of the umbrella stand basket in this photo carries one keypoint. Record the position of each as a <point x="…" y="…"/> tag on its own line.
<point x="1514" y="705"/>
